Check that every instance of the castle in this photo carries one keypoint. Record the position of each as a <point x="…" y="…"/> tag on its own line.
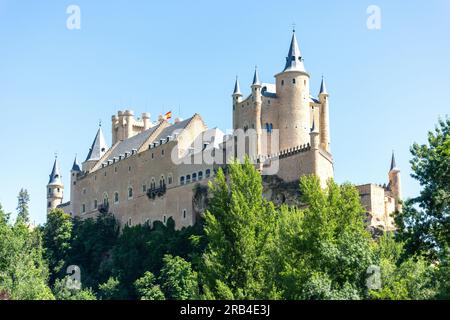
<point x="157" y="169"/>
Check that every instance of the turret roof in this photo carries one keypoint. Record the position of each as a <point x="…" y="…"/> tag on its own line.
<point x="294" y="60"/>
<point x="55" y="176"/>
<point x="98" y="148"/>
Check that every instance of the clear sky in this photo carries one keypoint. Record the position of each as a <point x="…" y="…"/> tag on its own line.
<point x="387" y="87"/>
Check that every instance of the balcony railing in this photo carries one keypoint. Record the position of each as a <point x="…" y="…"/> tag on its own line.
<point x="103" y="208"/>
<point x="152" y="193"/>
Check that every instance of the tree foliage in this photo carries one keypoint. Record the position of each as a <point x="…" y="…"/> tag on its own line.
<point x="424" y="224"/>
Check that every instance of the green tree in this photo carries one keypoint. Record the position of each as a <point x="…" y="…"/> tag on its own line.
<point x="323" y="251"/>
<point x="110" y="290"/>
<point x="177" y="279"/>
<point x="23" y="213"/>
<point x="64" y="290"/>
<point x="424" y="223"/>
<point x="57" y="241"/>
<point x="238" y="226"/>
<point x="23" y="271"/>
<point x="91" y="247"/>
<point x="413" y="278"/>
<point x="147" y="288"/>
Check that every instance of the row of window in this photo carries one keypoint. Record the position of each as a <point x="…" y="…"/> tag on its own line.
<point x="195" y="177"/>
<point x="147" y="221"/>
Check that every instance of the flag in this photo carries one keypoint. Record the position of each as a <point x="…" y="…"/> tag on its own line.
<point x="168" y="115"/>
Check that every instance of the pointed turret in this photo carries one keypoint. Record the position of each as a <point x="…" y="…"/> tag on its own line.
<point x="395" y="186"/>
<point x="294" y="60"/>
<point x="237" y="88"/>
<point x="55" y="187"/>
<point x="323" y="88"/>
<point x="393" y="164"/>
<point x="98" y="148"/>
<point x="256" y="78"/>
<point x="76" y="167"/>
<point x="55" y="176"/>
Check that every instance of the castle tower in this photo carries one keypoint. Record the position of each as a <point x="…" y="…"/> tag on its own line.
<point x="257" y="97"/>
<point x="324" y="117"/>
<point x="292" y="88"/>
<point x="237" y="97"/>
<point x="55" y="187"/>
<point x="395" y="186"/>
<point x="315" y="143"/>
<point x="96" y="151"/>
<point x="76" y="169"/>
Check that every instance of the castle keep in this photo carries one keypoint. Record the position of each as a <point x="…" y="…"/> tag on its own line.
<point x="159" y="169"/>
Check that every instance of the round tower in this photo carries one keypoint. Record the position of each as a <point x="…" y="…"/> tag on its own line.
<point x="257" y="100"/>
<point x="237" y="98"/>
<point x="324" y="117"/>
<point x="55" y="188"/>
<point x="395" y="186"/>
<point x="292" y="87"/>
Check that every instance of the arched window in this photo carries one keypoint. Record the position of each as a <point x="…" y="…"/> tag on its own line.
<point x="188" y="178"/>
<point x="95" y="204"/>
<point x="130" y="192"/>
<point x="200" y="175"/>
<point x="162" y="182"/>
<point x="169" y="179"/>
<point x="105" y="199"/>
<point x="182" y="180"/>
<point x="194" y="177"/>
<point x="208" y="173"/>
<point x="116" y="197"/>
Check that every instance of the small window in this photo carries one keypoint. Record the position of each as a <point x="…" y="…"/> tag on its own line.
<point x="49" y="205"/>
<point x="84" y="191"/>
<point x="83" y="208"/>
<point x="194" y="177"/>
<point x="95" y="204"/>
<point x="60" y="189"/>
<point x="162" y="152"/>
<point x="49" y="190"/>
<point x="282" y="82"/>
<point x="164" y="219"/>
<point x="115" y="169"/>
<point x="105" y="173"/>
<point x="169" y="180"/>
<point x="208" y="173"/>
<point x="129" y="169"/>
<point x="129" y="222"/>
<point x="116" y="197"/>
<point x="95" y="178"/>
<point x="74" y="183"/>
<point x="144" y="188"/>
<point x="188" y="178"/>
<point x="200" y="175"/>
<point x="293" y="81"/>
<point x="184" y="214"/>
<point x="105" y="200"/>
<point x="182" y="180"/>
<point x="153" y="155"/>
<point x="130" y="193"/>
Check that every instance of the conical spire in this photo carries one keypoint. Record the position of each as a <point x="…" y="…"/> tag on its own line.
<point x="393" y="164"/>
<point x="256" y="77"/>
<point x="76" y="166"/>
<point x="294" y="61"/>
<point x="323" y="87"/>
<point x="237" y="87"/>
<point x="98" y="148"/>
<point x="55" y="176"/>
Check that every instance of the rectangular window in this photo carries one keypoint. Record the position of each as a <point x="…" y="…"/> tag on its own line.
<point x="95" y="204"/>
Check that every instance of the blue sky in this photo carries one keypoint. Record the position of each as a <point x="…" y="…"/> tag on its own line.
<point x="387" y="87"/>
